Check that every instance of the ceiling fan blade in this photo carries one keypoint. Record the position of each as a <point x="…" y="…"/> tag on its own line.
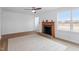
<point x="27" y="9"/>
<point x="33" y="8"/>
<point x="38" y="8"/>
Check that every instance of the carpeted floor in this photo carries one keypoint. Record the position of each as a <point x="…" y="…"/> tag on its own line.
<point x="34" y="42"/>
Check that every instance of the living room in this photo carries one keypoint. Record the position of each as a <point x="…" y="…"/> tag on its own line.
<point x="26" y="23"/>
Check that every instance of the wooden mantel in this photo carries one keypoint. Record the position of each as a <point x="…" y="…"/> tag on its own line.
<point x="49" y="24"/>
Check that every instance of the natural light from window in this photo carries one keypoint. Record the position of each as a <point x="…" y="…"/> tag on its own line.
<point x="36" y="23"/>
<point x="75" y="19"/>
<point x="68" y="20"/>
<point x="64" y="21"/>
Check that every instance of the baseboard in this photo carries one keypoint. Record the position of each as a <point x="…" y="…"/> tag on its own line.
<point x="13" y="35"/>
<point x="67" y="41"/>
<point x="0" y="42"/>
<point x="0" y="37"/>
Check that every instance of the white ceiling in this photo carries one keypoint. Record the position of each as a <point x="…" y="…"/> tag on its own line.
<point x="21" y="9"/>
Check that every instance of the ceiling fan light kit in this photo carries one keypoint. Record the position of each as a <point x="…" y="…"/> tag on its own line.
<point x="33" y="9"/>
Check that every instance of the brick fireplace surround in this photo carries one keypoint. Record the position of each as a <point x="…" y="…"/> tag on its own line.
<point x="51" y="28"/>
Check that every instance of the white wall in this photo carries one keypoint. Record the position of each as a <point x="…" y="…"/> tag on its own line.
<point x="0" y="20"/>
<point x="69" y="36"/>
<point x="13" y="22"/>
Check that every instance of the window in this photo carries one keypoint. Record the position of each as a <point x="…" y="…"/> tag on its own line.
<point x="36" y="23"/>
<point x="69" y="20"/>
<point x="64" y="21"/>
<point x="75" y="20"/>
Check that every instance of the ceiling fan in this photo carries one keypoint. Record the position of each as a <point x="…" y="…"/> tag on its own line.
<point x="34" y="9"/>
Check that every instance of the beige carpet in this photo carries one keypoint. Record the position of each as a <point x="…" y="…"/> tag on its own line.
<point x="34" y="42"/>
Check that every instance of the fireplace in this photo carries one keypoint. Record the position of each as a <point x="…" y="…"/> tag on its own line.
<point x="48" y="28"/>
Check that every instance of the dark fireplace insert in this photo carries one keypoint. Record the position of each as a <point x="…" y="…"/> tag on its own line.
<point x="47" y="30"/>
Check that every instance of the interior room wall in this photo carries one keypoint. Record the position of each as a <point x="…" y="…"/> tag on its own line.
<point x="0" y="20"/>
<point x="14" y="22"/>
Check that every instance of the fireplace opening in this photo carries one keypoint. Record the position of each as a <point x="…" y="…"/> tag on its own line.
<point x="48" y="27"/>
<point x="47" y="30"/>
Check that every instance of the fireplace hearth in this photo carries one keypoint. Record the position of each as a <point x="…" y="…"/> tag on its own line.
<point x="48" y="28"/>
